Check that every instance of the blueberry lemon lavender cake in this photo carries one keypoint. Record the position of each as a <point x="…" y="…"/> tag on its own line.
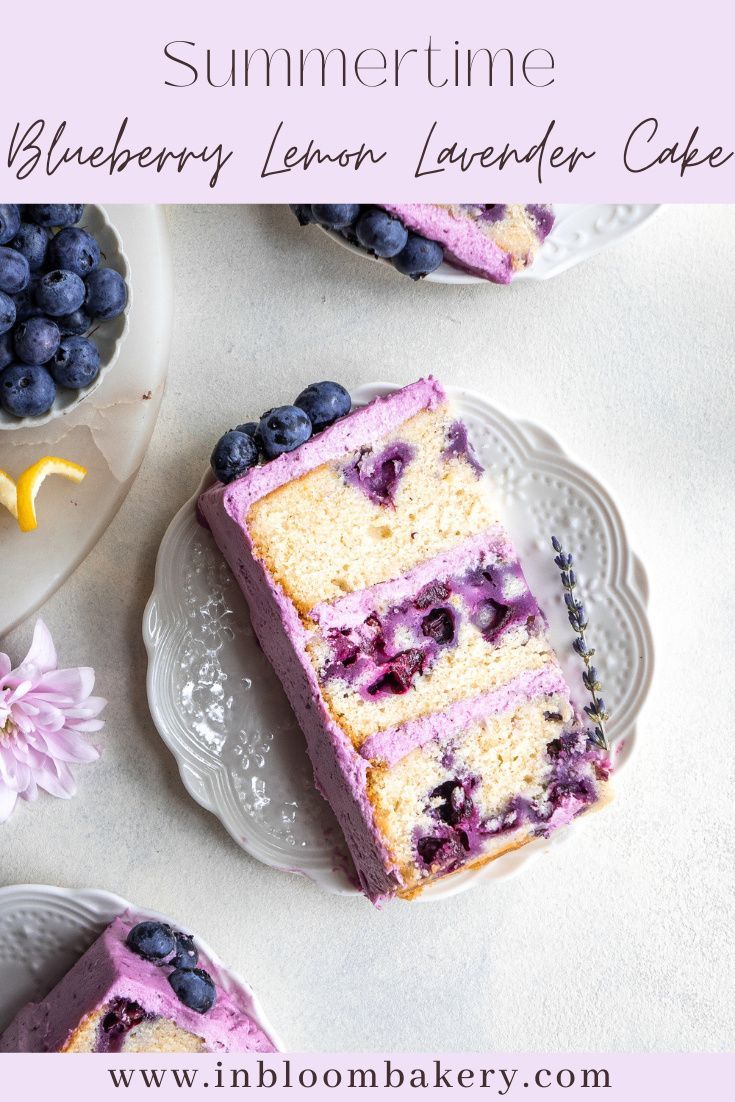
<point x="140" y="987"/>
<point x="492" y="240"/>
<point x="389" y="599"/>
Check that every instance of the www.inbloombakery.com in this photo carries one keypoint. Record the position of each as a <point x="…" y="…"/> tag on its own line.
<point x="295" y="1074"/>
